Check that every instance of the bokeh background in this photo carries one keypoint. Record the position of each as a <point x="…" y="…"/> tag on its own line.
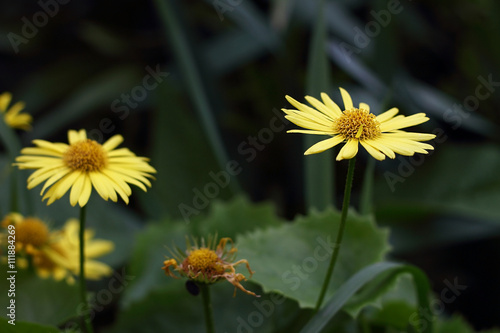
<point x="194" y="84"/>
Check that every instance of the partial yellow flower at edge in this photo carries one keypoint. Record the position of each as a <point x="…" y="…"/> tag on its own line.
<point x="380" y="135"/>
<point x="84" y="164"/>
<point x="14" y="117"/>
<point x="57" y="253"/>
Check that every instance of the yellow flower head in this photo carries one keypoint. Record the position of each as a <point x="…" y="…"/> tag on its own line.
<point x="64" y="254"/>
<point x="209" y="264"/>
<point x="13" y="116"/>
<point x="84" y="164"/>
<point x="30" y="231"/>
<point x="380" y="135"/>
<point x="57" y="253"/>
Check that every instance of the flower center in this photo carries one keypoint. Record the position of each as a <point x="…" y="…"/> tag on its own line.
<point x="85" y="156"/>
<point x="32" y="231"/>
<point x="204" y="260"/>
<point x="357" y="124"/>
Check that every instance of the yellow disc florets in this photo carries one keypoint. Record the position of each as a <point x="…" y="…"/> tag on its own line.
<point x="32" y="231"/>
<point x="86" y="156"/>
<point x="204" y="261"/>
<point x="357" y="124"/>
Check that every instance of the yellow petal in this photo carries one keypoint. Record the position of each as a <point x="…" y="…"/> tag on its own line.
<point x="99" y="182"/>
<point x="337" y="112"/>
<point x="98" y="247"/>
<point x="316" y="117"/>
<point x="16" y="108"/>
<point x="77" y="189"/>
<point x="321" y="107"/>
<point x="384" y="149"/>
<point x="307" y="124"/>
<point x="398" y="123"/>
<point x="387" y="115"/>
<point x="311" y="132"/>
<point x="324" y="145"/>
<point x="347" y="99"/>
<point x="300" y="106"/>
<point x="94" y="270"/>
<point x="411" y="136"/>
<point x="364" y="106"/>
<point x="73" y="137"/>
<point x="62" y="172"/>
<point x="5" y="99"/>
<point x="86" y="191"/>
<point x="61" y="187"/>
<point x="373" y="152"/>
<point x="349" y="150"/>
<point x="113" y="142"/>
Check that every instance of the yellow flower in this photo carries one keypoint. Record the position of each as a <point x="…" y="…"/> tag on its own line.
<point x="380" y="135"/>
<point x="57" y="253"/>
<point x="208" y="264"/>
<point x="13" y="116"/>
<point x="30" y="231"/>
<point x="82" y="165"/>
<point x="63" y="254"/>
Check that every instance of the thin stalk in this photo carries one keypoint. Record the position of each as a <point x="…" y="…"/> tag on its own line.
<point x="83" y="288"/>
<point x="340" y="234"/>
<point x="207" y="307"/>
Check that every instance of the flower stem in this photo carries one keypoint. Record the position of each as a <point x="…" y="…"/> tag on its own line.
<point x="83" y="288"/>
<point x="207" y="307"/>
<point x="340" y="234"/>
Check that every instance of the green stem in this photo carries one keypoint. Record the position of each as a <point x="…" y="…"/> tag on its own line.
<point x="83" y="288"/>
<point x="340" y="234"/>
<point x="207" y="307"/>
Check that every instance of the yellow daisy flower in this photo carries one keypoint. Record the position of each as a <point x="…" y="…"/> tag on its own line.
<point x="62" y="258"/>
<point x="208" y="264"/>
<point x="82" y="165"/>
<point x="380" y="135"/>
<point x="57" y="253"/>
<point x="13" y="116"/>
<point x="31" y="232"/>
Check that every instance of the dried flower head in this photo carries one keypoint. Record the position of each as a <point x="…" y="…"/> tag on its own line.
<point x="208" y="263"/>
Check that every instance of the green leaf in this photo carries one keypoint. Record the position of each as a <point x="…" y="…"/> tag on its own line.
<point x="43" y="301"/>
<point x="393" y="308"/>
<point x="292" y="259"/>
<point x="24" y="327"/>
<point x="365" y="276"/>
